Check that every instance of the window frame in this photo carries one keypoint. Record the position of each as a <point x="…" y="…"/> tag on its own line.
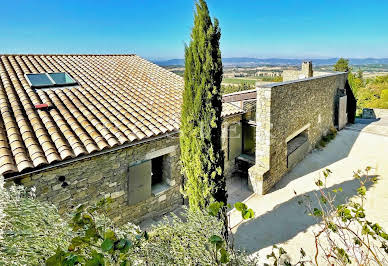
<point x="239" y="124"/>
<point x="54" y="84"/>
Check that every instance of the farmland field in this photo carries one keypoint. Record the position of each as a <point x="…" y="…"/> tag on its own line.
<point x="250" y="81"/>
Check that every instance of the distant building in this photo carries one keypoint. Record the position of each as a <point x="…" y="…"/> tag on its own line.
<point x="305" y="72"/>
<point x="268" y="73"/>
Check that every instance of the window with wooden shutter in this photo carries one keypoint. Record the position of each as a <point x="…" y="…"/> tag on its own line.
<point x="139" y="182"/>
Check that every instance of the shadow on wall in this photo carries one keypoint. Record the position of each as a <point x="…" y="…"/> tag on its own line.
<point x="286" y="220"/>
<point x="321" y="159"/>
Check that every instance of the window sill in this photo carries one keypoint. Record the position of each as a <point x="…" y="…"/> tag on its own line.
<point x="158" y="189"/>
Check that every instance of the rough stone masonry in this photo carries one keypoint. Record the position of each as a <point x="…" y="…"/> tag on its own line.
<point x="288" y="110"/>
<point x="88" y="180"/>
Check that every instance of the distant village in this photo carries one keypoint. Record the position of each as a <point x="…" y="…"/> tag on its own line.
<point x="235" y="74"/>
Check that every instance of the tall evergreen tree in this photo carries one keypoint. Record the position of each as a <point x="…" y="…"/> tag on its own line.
<point x="200" y="134"/>
<point x="342" y="65"/>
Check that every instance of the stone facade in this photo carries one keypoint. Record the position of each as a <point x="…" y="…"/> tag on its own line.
<point x="285" y="110"/>
<point x="106" y="175"/>
<point x="88" y="180"/>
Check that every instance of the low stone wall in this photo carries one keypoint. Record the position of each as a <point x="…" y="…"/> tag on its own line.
<point x="373" y="113"/>
<point x="283" y="111"/>
<point x="88" y="180"/>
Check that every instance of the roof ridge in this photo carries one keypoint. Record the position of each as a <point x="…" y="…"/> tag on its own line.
<point x="67" y="54"/>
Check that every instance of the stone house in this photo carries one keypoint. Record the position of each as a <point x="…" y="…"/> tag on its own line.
<point x="83" y="127"/>
<point x="284" y="121"/>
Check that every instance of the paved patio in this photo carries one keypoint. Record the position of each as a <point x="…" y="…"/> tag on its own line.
<point x="237" y="187"/>
<point x="280" y="220"/>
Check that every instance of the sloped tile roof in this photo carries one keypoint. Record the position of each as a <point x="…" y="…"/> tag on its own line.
<point x="120" y="99"/>
<point x="230" y="109"/>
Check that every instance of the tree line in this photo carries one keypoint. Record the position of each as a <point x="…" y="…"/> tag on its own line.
<point x="369" y="92"/>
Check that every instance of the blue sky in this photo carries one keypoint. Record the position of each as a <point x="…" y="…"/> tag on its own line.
<point x="158" y="29"/>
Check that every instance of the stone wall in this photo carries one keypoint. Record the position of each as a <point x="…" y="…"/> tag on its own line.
<point x="106" y="175"/>
<point x="283" y="111"/>
<point x="88" y="180"/>
<point x="374" y="113"/>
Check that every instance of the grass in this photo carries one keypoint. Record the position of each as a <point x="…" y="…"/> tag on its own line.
<point x="326" y="139"/>
<point x="359" y="113"/>
<point x="239" y="81"/>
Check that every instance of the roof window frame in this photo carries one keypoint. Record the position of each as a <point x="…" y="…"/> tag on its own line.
<point x="54" y="84"/>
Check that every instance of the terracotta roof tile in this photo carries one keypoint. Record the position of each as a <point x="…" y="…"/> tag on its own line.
<point x="119" y="99"/>
<point x="230" y="109"/>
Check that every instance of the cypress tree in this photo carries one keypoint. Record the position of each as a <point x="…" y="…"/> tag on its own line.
<point x="200" y="134"/>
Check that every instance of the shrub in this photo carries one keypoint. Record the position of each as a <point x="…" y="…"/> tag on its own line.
<point x="33" y="234"/>
<point x="327" y="138"/>
<point x="194" y="239"/>
<point x="345" y="235"/>
<point x="30" y="230"/>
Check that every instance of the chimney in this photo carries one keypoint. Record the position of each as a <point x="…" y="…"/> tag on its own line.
<point x="307" y="69"/>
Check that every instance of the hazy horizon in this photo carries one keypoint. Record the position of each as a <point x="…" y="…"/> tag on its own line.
<point x="158" y="31"/>
<point x="274" y="57"/>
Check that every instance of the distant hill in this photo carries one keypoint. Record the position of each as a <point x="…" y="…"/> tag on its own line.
<point x="247" y="61"/>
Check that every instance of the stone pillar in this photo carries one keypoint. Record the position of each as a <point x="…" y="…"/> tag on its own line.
<point x="258" y="172"/>
<point x="307" y="69"/>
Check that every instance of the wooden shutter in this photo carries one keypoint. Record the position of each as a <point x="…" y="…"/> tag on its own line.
<point x="139" y="182"/>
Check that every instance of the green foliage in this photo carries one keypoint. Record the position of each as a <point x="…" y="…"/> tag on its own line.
<point x="345" y="235"/>
<point x="225" y="89"/>
<point x="370" y="93"/>
<point x="327" y="138"/>
<point x="243" y="209"/>
<point x="342" y="65"/>
<point x="200" y="134"/>
<point x="215" y="208"/>
<point x="191" y="240"/>
<point x="384" y="95"/>
<point x="30" y="231"/>
<point x="96" y="241"/>
<point x="345" y="227"/>
<point x="239" y="81"/>
<point x="34" y="234"/>
<point x="273" y="79"/>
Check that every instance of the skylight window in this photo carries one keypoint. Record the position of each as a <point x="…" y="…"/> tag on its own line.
<point x="39" y="80"/>
<point x="61" y="78"/>
<point x="47" y="80"/>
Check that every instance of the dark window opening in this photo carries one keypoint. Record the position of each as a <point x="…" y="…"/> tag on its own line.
<point x="297" y="148"/>
<point x="158" y="175"/>
<point x="157" y="170"/>
<point x="296" y="142"/>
